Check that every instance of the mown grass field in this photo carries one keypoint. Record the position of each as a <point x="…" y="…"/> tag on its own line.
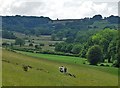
<point x="86" y="75"/>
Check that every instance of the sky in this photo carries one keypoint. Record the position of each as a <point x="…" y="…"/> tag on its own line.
<point x="61" y="9"/>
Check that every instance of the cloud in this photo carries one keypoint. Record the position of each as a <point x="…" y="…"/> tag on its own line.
<point x="26" y="8"/>
<point x="62" y="9"/>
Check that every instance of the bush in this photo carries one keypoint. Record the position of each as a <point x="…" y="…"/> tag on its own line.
<point x="23" y="49"/>
<point x="41" y="44"/>
<point x="37" y="47"/>
<point x="102" y="65"/>
<point x="107" y="65"/>
<point x="29" y="40"/>
<point x="19" y="41"/>
<point x="94" y="55"/>
<point x="30" y="44"/>
<point x="5" y="44"/>
<point x="52" y="45"/>
<point x="115" y="63"/>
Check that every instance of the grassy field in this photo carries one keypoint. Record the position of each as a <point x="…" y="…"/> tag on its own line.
<point x="86" y="75"/>
<point x="43" y="39"/>
<point x="65" y="59"/>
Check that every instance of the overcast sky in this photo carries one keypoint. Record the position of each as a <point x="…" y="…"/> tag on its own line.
<point x="62" y="9"/>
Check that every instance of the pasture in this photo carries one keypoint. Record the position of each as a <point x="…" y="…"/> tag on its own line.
<point x="35" y="40"/>
<point x="45" y="72"/>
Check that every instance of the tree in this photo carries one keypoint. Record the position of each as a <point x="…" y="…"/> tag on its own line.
<point x="106" y="39"/>
<point x="30" y="44"/>
<point x="19" y="41"/>
<point x="5" y="44"/>
<point x="63" y="48"/>
<point x="8" y="35"/>
<point x="37" y="47"/>
<point x="69" y="48"/>
<point x="76" y="49"/>
<point x="113" y="19"/>
<point x="53" y="37"/>
<point x="70" y="40"/>
<point x="117" y="64"/>
<point x="83" y="53"/>
<point x="112" y="51"/>
<point x="94" y="54"/>
<point x="60" y="35"/>
<point x="58" y="46"/>
<point x="37" y="32"/>
<point x="97" y="17"/>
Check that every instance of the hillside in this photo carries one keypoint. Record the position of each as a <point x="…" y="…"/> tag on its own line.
<point x="44" y="72"/>
<point x="46" y="26"/>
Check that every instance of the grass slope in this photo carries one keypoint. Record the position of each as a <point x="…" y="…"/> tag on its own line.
<point x="69" y="59"/>
<point x="13" y="75"/>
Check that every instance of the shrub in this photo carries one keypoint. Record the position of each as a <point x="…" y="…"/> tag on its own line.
<point x="102" y="65"/>
<point x="94" y="54"/>
<point x="51" y="45"/>
<point x="37" y="47"/>
<point x="5" y="44"/>
<point x="107" y="65"/>
<point x="30" y="44"/>
<point x="41" y="44"/>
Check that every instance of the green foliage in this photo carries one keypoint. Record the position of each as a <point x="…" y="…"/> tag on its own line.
<point x="76" y="49"/>
<point x="25" y="49"/>
<point x="45" y="26"/>
<point x="107" y="34"/>
<point x="30" y="44"/>
<point x="83" y="36"/>
<point x="69" y="40"/>
<point x="83" y="53"/>
<point x="37" y="47"/>
<point x="117" y="64"/>
<point x="97" y="18"/>
<point x="60" y="35"/>
<point x="53" y="37"/>
<point x="42" y="44"/>
<point x="69" y="48"/>
<point x="94" y="55"/>
<point x="107" y="40"/>
<point x="113" y="19"/>
<point x="79" y="34"/>
<point x="58" y="46"/>
<point x="19" y="41"/>
<point x="8" y="35"/>
<point x="5" y="44"/>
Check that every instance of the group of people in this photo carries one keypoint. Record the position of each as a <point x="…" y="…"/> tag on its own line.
<point x="63" y="69"/>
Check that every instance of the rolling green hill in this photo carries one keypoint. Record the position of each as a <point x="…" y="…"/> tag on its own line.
<point x="45" y="72"/>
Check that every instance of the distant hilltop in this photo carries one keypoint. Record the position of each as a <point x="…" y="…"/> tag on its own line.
<point x="57" y="19"/>
<point x="47" y="26"/>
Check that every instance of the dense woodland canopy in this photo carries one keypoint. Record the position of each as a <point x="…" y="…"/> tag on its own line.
<point x="46" y="26"/>
<point x="79" y="35"/>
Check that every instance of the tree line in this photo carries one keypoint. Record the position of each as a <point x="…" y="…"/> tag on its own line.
<point x="95" y="38"/>
<point x="101" y="45"/>
<point x="32" y="25"/>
